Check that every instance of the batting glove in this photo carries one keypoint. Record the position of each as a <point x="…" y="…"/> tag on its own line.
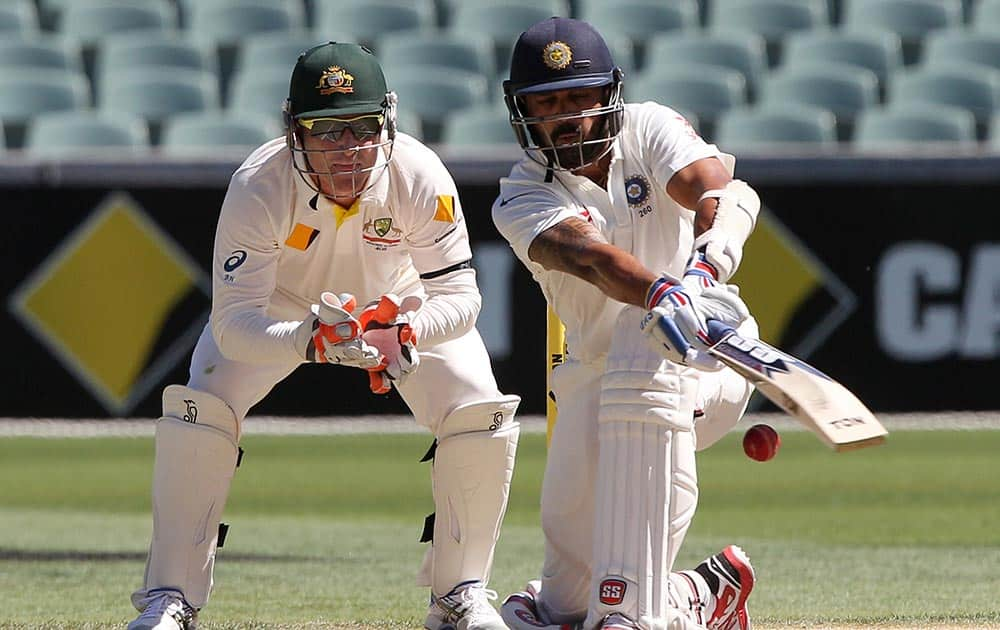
<point x="676" y="324"/>
<point x="700" y="274"/>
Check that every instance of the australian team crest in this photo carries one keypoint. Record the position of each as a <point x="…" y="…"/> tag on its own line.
<point x="636" y="190"/>
<point x="335" y="80"/>
<point x="382" y="226"/>
<point x="557" y="55"/>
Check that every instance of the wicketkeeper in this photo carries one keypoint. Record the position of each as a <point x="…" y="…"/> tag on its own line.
<point x="343" y="242"/>
<point x="631" y="225"/>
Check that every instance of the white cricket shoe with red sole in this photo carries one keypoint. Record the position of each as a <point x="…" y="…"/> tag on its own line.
<point x="730" y="578"/>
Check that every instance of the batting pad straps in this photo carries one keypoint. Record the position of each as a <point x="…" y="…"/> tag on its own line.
<point x="735" y="218"/>
<point x="472" y="471"/>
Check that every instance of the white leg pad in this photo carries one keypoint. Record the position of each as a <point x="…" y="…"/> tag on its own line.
<point x="473" y="466"/>
<point x="647" y="485"/>
<point x="639" y="385"/>
<point x="723" y="397"/>
<point x="196" y="452"/>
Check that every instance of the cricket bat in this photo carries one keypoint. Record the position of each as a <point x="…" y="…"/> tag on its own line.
<point x="817" y="401"/>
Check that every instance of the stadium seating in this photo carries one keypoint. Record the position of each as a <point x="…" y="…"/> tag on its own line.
<point x="879" y="52"/>
<point x="409" y="123"/>
<point x="368" y="20"/>
<point x="958" y="47"/>
<point x="986" y="16"/>
<point x="910" y="19"/>
<point x="737" y="51"/>
<point x="638" y="20"/>
<point x="76" y="132"/>
<point x="258" y="91"/>
<point x="706" y="91"/>
<point x="88" y="22"/>
<point x="40" y="52"/>
<point x="275" y="50"/>
<point x="226" y="23"/>
<point x="783" y="57"/>
<point x="787" y="127"/>
<point x="18" y="17"/>
<point x="843" y="90"/>
<point x="994" y="133"/>
<point x="553" y="7"/>
<point x="882" y="128"/>
<point x="207" y="132"/>
<point x="433" y="96"/>
<point x="479" y="126"/>
<point x="976" y="90"/>
<point x="402" y="51"/>
<point x="771" y="19"/>
<point x="497" y="24"/>
<point x="121" y="53"/>
<point x="157" y="93"/>
<point x="25" y="93"/>
<point x="187" y="7"/>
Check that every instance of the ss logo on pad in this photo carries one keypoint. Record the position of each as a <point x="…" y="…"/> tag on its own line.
<point x="611" y="591"/>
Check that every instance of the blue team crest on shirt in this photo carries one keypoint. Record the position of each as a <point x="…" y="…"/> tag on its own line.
<point x="636" y="190"/>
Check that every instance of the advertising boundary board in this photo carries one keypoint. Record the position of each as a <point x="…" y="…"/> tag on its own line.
<point x="884" y="272"/>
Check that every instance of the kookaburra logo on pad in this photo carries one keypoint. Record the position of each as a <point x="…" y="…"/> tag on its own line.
<point x="335" y="80"/>
<point x="192" y="412"/>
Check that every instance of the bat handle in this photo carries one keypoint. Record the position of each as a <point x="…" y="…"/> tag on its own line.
<point x="717" y="331"/>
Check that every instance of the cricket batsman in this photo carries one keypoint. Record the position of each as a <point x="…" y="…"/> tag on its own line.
<point x="342" y="212"/>
<point x="631" y="224"/>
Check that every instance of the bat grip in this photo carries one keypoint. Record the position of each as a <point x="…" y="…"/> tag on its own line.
<point x="717" y="331"/>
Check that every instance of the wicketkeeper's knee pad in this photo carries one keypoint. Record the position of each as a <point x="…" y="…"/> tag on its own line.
<point x="723" y="397"/>
<point x="473" y="466"/>
<point x="196" y="456"/>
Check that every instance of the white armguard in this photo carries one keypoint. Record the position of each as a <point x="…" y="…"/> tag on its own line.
<point x="734" y="221"/>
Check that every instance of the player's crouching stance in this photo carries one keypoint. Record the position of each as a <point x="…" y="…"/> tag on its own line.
<point x="631" y="224"/>
<point x="343" y="203"/>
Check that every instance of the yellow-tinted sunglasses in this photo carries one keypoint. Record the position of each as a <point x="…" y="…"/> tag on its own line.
<point x="363" y="127"/>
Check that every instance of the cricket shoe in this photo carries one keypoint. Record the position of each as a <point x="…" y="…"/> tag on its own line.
<point x="466" y="607"/>
<point x="166" y="610"/>
<point x="730" y="579"/>
<point x="520" y="611"/>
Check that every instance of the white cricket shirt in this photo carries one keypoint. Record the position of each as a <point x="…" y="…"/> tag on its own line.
<point x="279" y="245"/>
<point x="633" y="213"/>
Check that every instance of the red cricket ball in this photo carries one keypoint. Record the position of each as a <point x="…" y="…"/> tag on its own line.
<point x="761" y="442"/>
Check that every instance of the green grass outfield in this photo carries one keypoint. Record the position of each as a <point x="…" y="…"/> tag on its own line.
<point x="324" y="528"/>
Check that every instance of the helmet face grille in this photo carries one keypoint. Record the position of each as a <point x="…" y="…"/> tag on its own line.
<point x="582" y="151"/>
<point x="342" y="173"/>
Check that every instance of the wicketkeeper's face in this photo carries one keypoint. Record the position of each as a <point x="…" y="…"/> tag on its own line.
<point x="341" y="153"/>
<point x="563" y="122"/>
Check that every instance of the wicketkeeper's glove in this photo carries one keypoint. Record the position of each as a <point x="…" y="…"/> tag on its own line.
<point x="386" y="326"/>
<point x="333" y="335"/>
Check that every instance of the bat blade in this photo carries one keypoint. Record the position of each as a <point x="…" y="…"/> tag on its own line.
<point x="817" y="401"/>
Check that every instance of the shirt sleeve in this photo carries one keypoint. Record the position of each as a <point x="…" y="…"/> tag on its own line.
<point x="523" y="212"/>
<point x="668" y="141"/>
<point x="437" y="237"/>
<point x="438" y="242"/>
<point x="244" y="275"/>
